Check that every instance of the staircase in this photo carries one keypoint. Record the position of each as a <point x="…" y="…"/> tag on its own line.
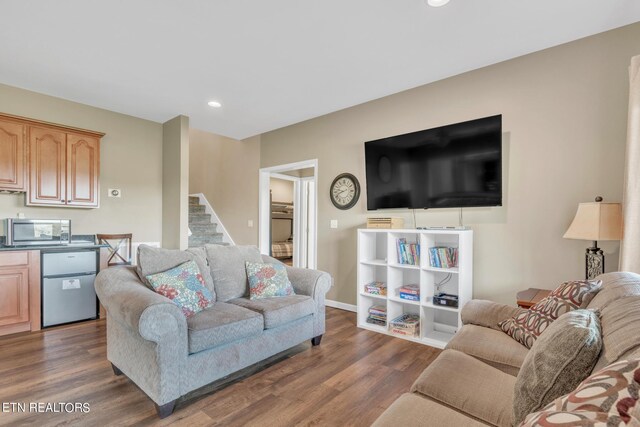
<point x="203" y="231"/>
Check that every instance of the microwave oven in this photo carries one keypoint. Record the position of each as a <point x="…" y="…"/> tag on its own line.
<point x="32" y="232"/>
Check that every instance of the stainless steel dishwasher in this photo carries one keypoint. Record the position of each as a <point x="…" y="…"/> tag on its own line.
<point x="68" y="293"/>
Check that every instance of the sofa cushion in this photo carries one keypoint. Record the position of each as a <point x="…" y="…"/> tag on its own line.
<point x="470" y="386"/>
<point x="152" y="260"/>
<point x="279" y="310"/>
<point x="615" y="286"/>
<point x="222" y="324"/>
<point x="490" y="346"/>
<point x="560" y="359"/>
<point x="412" y="410"/>
<point x="527" y="326"/>
<point x="268" y="280"/>
<point x="608" y="397"/>
<point x="620" y="319"/>
<point x="184" y="286"/>
<point x="227" y="265"/>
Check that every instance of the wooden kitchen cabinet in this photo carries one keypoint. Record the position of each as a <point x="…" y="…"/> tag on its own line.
<point x="13" y="151"/>
<point x="83" y="165"/>
<point x="56" y="165"/>
<point x="19" y="291"/>
<point x="47" y="167"/>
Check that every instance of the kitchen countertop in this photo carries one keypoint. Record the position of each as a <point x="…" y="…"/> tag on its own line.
<point x="77" y="242"/>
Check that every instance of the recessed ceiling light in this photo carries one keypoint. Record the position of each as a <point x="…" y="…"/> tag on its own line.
<point x="437" y="3"/>
<point x="214" y="104"/>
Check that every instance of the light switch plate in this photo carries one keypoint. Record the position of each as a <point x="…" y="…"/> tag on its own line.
<point x="114" y="192"/>
<point x="334" y="223"/>
<point x="250" y="223"/>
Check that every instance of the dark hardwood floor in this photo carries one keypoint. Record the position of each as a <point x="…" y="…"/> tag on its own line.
<point x="346" y="381"/>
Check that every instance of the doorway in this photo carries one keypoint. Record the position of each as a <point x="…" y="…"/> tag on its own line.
<point x="288" y="221"/>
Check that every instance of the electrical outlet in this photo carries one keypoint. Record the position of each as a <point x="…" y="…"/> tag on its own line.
<point x="250" y="223"/>
<point x="334" y="223"/>
<point x="114" y="192"/>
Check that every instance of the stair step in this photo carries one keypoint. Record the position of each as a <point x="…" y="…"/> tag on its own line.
<point x="198" y="245"/>
<point x="194" y="200"/>
<point x="196" y="209"/>
<point x="200" y="219"/>
<point x="203" y="228"/>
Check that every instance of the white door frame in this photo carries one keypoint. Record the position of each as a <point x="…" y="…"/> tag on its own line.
<point x="264" y="210"/>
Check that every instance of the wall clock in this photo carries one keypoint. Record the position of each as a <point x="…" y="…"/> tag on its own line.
<point x="344" y="191"/>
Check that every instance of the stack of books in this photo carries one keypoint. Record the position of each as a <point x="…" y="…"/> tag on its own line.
<point x="376" y="288"/>
<point x="377" y="315"/>
<point x="408" y="253"/>
<point x="410" y="292"/>
<point x="443" y="257"/>
<point x="406" y="324"/>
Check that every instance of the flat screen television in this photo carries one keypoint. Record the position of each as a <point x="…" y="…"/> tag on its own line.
<point x="453" y="166"/>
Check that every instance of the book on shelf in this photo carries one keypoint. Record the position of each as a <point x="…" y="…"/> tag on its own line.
<point x="410" y="289"/>
<point x="443" y="257"/>
<point x="408" y="253"/>
<point x="377" y="315"/>
<point x="376" y="288"/>
<point x="409" y="297"/>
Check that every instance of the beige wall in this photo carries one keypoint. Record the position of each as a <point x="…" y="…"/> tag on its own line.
<point x="226" y="172"/>
<point x="130" y="159"/>
<point x="281" y="190"/>
<point x="175" y="183"/>
<point x="564" y="122"/>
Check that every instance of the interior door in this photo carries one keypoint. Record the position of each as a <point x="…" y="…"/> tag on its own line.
<point x="47" y="167"/>
<point x="12" y="156"/>
<point x="83" y="154"/>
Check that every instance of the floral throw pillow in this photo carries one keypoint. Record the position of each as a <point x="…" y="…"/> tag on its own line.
<point x="609" y="397"/>
<point x="184" y="286"/>
<point x="526" y="326"/>
<point x="268" y="280"/>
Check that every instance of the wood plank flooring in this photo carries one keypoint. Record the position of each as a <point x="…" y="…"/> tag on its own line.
<point x="349" y="380"/>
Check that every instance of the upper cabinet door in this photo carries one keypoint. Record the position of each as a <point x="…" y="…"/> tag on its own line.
<point x="12" y="156"/>
<point x="83" y="164"/>
<point x="47" y="167"/>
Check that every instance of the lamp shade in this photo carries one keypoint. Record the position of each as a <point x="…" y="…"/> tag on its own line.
<point x="596" y="221"/>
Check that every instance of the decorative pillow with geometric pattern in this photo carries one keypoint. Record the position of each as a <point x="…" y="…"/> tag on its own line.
<point x="607" y="398"/>
<point x="184" y="286"/>
<point x="268" y="280"/>
<point x="528" y="325"/>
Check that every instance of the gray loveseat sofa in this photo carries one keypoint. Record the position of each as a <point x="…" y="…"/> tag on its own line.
<point x="167" y="355"/>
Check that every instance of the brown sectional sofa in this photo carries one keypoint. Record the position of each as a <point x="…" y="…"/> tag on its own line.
<point x="472" y="382"/>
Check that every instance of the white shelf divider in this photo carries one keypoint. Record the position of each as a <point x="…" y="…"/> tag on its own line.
<point x="378" y="261"/>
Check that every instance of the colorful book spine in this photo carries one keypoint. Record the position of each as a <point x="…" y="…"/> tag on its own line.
<point x="409" y="297"/>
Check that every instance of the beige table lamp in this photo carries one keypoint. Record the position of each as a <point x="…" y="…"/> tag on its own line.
<point x="596" y="221"/>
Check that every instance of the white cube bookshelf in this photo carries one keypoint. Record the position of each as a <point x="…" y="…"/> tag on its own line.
<point x="378" y="262"/>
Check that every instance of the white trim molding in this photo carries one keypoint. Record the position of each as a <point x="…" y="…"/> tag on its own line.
<point x="226" y="237"/>
<point x="340" y="305"/>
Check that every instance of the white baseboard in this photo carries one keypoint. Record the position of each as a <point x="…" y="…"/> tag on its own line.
<point x="340" y="305"/>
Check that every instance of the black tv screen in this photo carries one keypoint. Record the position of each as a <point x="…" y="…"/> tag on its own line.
<point x="452" y="166"/>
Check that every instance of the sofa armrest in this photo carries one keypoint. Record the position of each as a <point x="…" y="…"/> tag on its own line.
<point x="487" y="313"/>
<point x="136" y="307"/>
<point x="314" y="283"/>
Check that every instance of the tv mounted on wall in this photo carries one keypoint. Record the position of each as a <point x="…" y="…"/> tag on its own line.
<point x="453" y="166"/>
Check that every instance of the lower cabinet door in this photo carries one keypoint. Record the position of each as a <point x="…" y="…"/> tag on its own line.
<point x="68" y="299"/>
<point x="14" y="296"/>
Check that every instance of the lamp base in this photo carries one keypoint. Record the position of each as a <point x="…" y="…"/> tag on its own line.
<point x="594" y="259"/>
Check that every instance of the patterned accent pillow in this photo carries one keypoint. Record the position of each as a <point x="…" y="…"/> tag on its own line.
<point x="526" y="326"/>
<point x="607" y="398"/>
<point x="184" y="286"/>
<point x="268" y="280"/>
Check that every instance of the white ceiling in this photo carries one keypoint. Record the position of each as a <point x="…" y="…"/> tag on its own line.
<point x="271" y="63"/>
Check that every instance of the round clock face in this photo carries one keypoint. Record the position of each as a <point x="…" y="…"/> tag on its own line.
<point x="345" y="191"/>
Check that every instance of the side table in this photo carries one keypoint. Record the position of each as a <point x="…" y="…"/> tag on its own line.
<point x="531" y="296"/>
